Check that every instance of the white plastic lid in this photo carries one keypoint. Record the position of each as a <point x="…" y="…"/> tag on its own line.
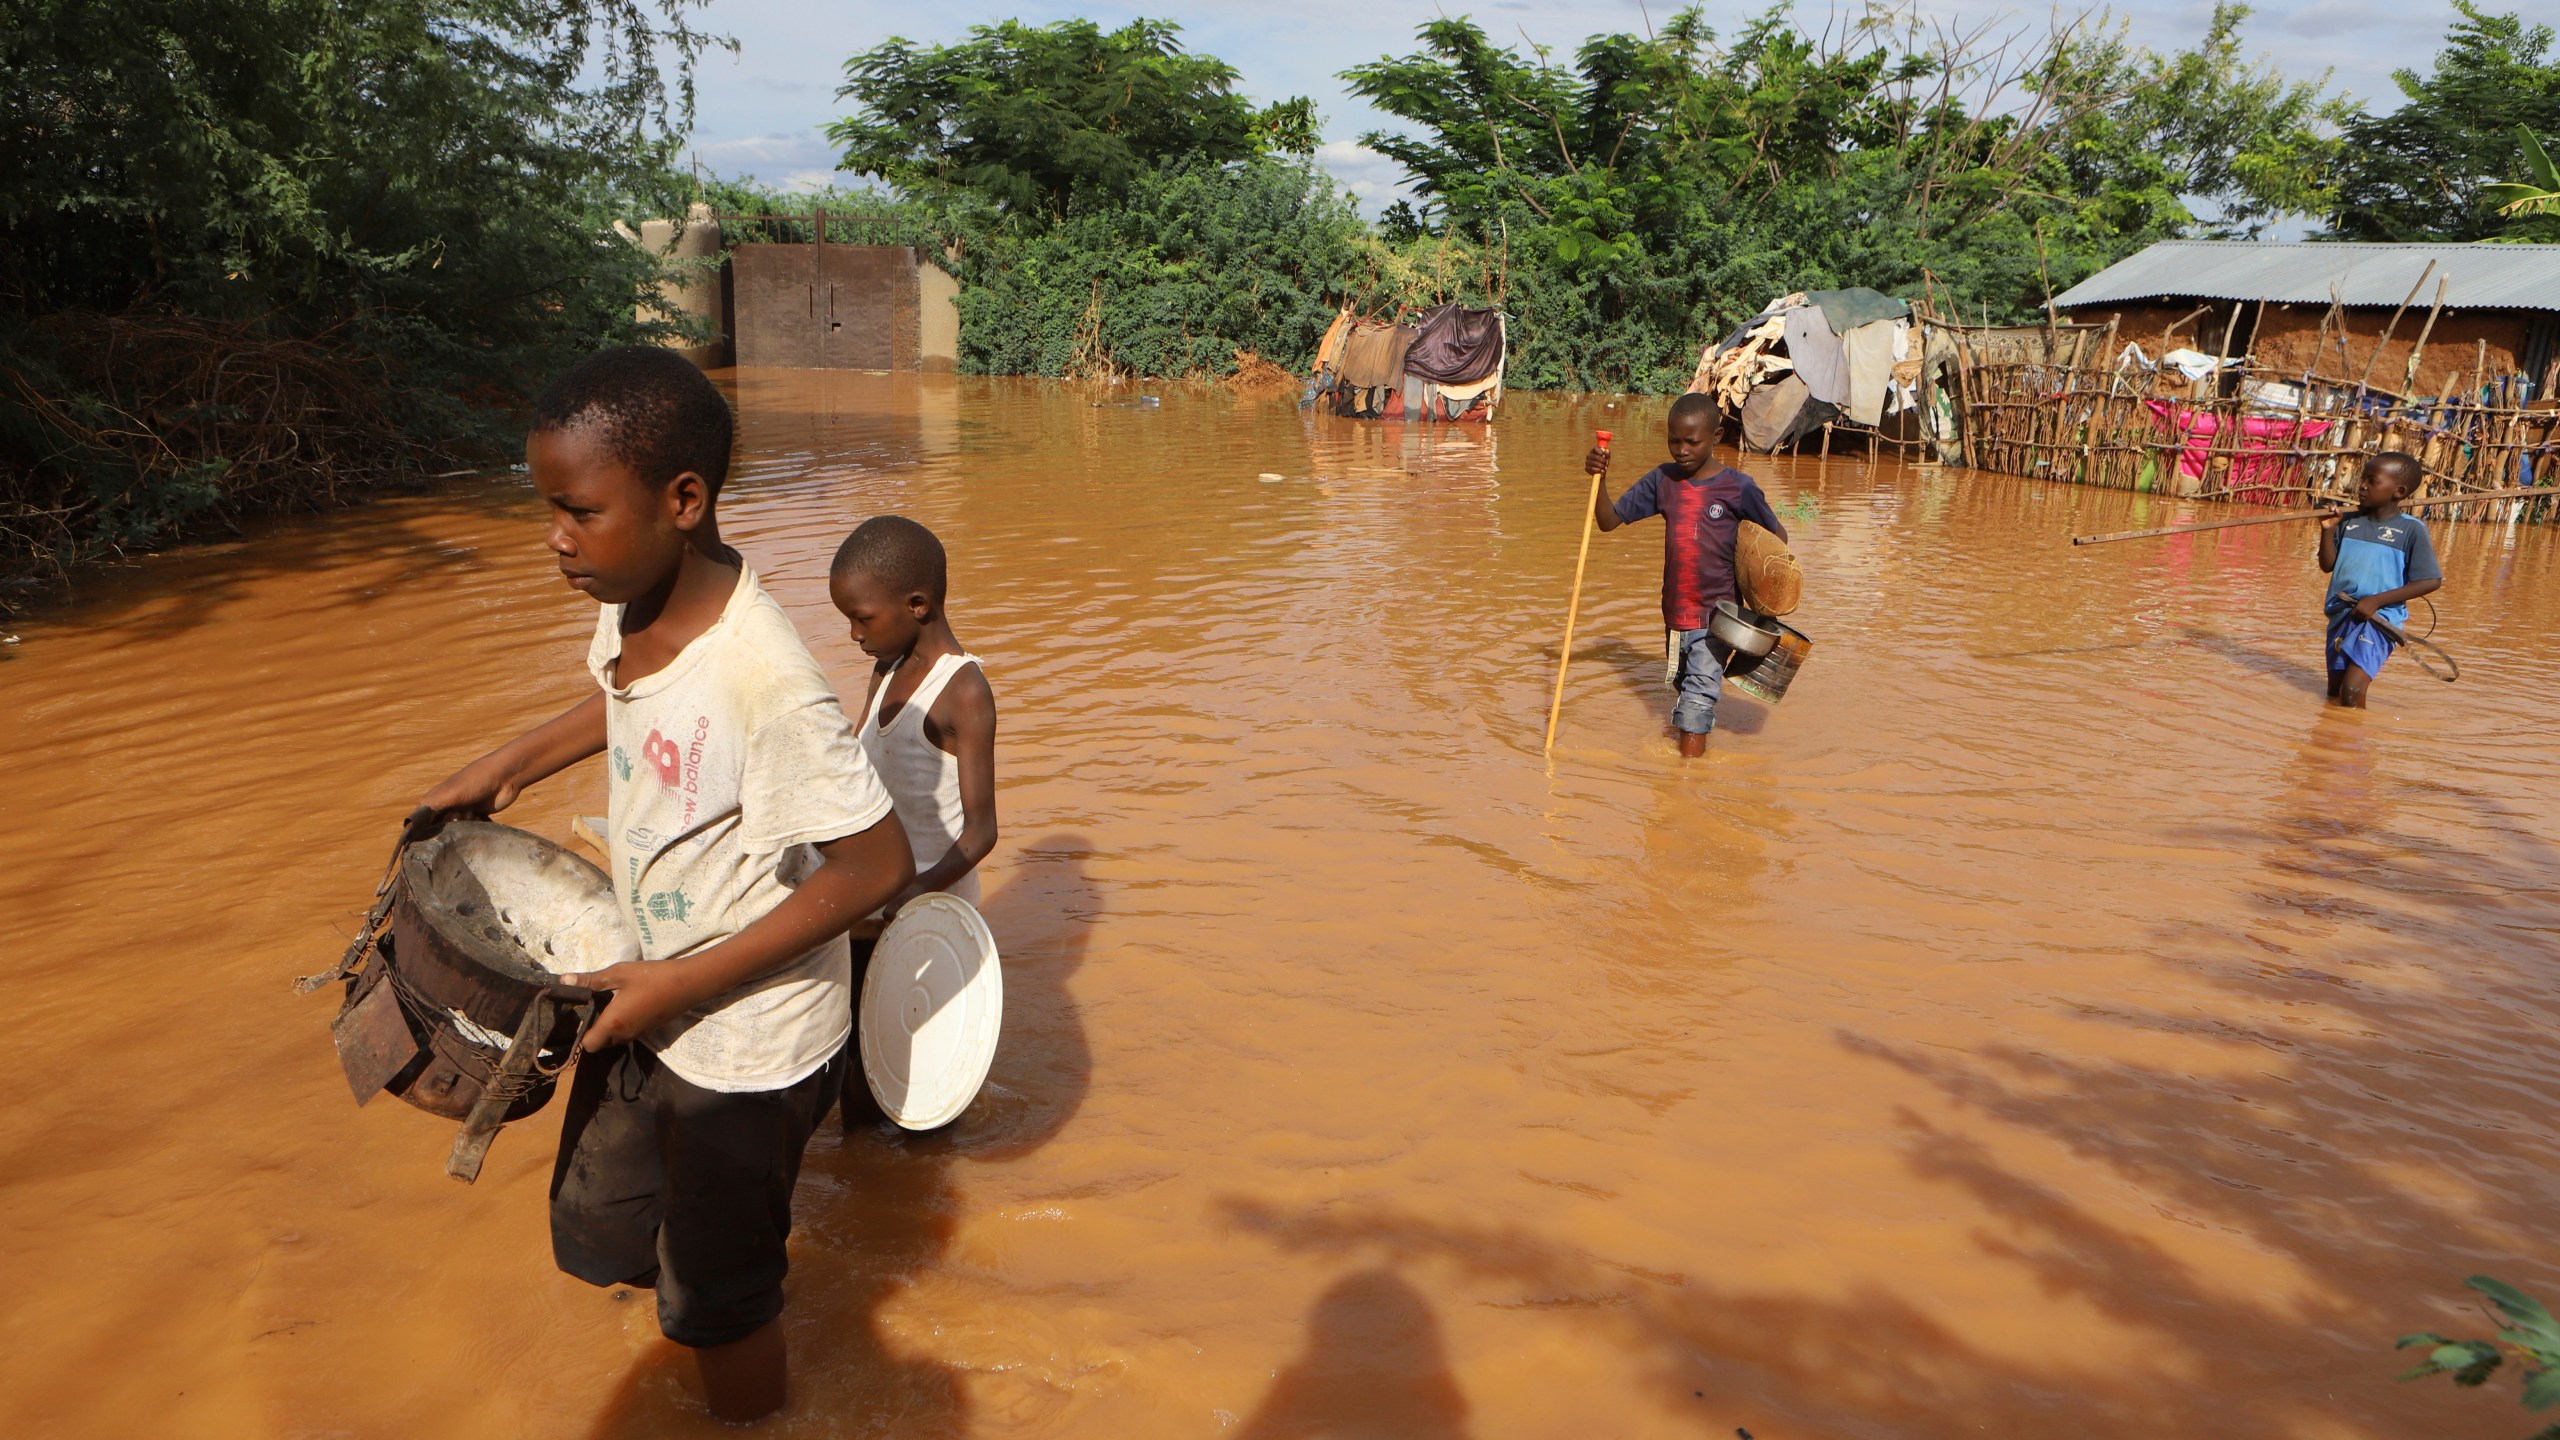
<point x="932" y="1003"/>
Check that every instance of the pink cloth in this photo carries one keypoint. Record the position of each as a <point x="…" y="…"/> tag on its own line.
<point x="2256" y="478"/>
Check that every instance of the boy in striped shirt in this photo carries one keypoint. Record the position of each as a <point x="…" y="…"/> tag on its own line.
<point x="1702" y="505"/>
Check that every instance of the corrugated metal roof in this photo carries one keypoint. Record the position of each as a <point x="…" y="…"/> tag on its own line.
<point x="2484" y="276"/>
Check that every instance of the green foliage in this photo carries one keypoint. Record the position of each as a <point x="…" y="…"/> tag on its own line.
<point x="1112" y="205"/>
<point x="2539" y="195"/>
<point x="2429" y="170"/>
<point x="2530" y="1331"/>
<point x="1188" y="266"/>
<point x="1116" y="209"/>
<point x="1172" y="275"/>
<point x="1029" y="116"/>
<point x="1658" y="189"/>
<point x="411" y="194"/>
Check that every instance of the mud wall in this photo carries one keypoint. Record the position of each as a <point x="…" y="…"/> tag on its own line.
<point x="2460" y="344"/>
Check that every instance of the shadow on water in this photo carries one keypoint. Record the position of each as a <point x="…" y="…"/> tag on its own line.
<point x="1372" y="1368"/>
<point x="2294" y="670"/>
<point x="877" y="1211"/>
<point x="397" y="542"/>
<point x="2388" y="1034"/>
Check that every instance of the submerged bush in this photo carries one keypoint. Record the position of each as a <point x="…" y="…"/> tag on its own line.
<point x="267" y="252"/>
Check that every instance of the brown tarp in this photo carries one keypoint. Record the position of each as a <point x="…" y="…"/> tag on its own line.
<point x="1780" y="411"/>
<point x="1457" y="345"/>
<point x="1373" y="355"/>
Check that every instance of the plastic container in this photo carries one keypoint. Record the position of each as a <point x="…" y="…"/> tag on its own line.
<point x="932" y="1004"/>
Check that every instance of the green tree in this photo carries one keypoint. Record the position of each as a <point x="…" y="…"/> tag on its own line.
<point x="259" y="252"/>
<point x="1658" y="188"/>
<point x="2529" y="1332"/>
<point x="2424" y="171"/>
<point x="1189" y="265"/>
<point x="2538" y="196"/>
<point x="1028" y="115"/>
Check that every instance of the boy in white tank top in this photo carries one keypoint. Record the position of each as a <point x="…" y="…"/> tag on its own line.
<point x="929" y="725"/>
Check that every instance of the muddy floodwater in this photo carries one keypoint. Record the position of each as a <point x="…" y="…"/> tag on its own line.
<point x="2050" y="1020"/>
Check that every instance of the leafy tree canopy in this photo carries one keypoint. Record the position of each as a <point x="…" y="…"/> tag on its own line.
<point x="209" y="198"/>
<point x="1027" y="114"/>
<point x="2078" y="128"/>
<point x="2423" y="171"/>
<point x="450" y="158"/>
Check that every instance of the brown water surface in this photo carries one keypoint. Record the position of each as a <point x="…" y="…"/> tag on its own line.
<point x="2050" y="1021"/>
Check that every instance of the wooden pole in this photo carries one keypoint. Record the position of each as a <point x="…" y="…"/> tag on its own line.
<point x="2222" y="353"/>
<point x="2409" y="382"/>
<point x="2457" y="499"/>
<point x="1573" y="609"/>
<point x="2174" y="326"/>
<point x="2376" y="357"/>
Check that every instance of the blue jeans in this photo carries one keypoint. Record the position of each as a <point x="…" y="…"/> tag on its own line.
<point x="1700" y="681"/>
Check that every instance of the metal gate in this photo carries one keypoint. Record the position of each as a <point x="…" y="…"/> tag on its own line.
<point x="826" y="307"/>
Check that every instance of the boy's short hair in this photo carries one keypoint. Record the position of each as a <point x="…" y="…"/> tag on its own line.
<point x="2400" y="465"/>
<point x="896" y="551"/>
<point x="1697" y="403"/>
<point x="650" y="409"/>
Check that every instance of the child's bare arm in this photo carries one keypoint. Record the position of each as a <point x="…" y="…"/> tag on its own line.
<point x="492" y="782"/>
<point x="2329" y="540"/>
<point x="860" y="872"/>
<point x="963" y="724"/>
<point x="2372" y="605"/>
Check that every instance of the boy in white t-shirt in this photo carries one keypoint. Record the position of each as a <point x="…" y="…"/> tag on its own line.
<point x="747" y="834"/>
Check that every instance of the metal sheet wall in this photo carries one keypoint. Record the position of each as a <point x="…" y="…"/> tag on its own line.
<point x="826" y="307"/>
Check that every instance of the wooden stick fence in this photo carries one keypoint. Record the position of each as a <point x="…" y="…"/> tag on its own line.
<point x="2250" y="434"/>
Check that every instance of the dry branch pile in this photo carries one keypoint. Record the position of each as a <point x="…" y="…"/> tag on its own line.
<point x="122" y="431"/>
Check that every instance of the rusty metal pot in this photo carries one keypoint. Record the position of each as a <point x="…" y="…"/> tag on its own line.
<point x="460" y="1011"/>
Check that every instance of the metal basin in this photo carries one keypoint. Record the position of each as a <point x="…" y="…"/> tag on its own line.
<point x="1730" y="625"/>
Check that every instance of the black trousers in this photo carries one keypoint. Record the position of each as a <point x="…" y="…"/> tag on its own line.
<point x="666" y="1185"/>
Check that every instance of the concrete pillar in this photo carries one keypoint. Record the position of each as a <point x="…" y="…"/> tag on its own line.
<point x="692" y="281"/>
<point x="937" y="319"/>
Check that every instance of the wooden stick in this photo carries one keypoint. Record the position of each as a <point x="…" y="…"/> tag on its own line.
<point x="2174" y="326"/>
<point x="1573" y="610"/>
<point x="2518" y="493"/>
<point x="2376" y="357"/>
<point x="2409" y="382"/>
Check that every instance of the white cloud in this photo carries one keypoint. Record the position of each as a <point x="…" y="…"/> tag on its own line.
<point x="2323" y="19"/>
<point x="759" y="151"/>
<point x="1373" y="179"/>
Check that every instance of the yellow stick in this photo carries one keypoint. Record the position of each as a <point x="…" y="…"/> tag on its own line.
<point x="1573" y="611"/>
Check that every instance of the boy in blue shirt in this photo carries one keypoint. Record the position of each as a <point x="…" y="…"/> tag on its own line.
<point x="1702" y="505"/>
<point x="2378" y="560"/>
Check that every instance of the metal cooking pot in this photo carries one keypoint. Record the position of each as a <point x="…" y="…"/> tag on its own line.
<point x="1744" y="633"/>
<point x="461" y="1011"/>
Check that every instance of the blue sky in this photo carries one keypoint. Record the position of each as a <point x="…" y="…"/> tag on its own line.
<point x="761" y="112"/>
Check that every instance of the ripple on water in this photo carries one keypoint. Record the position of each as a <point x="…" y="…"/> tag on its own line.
<point x="2049" y="1020"/>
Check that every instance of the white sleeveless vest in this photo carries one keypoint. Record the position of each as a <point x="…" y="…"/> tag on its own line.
<point x="923" y="780"/>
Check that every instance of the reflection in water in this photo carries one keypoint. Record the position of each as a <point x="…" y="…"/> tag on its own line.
<point x="1372" y="1369"/>
<point x="2049" y="1020"/>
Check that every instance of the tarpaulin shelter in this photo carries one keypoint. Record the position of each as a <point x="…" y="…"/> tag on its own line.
<point x="1813" y="358"/>
<point x="1444" y="364"/>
